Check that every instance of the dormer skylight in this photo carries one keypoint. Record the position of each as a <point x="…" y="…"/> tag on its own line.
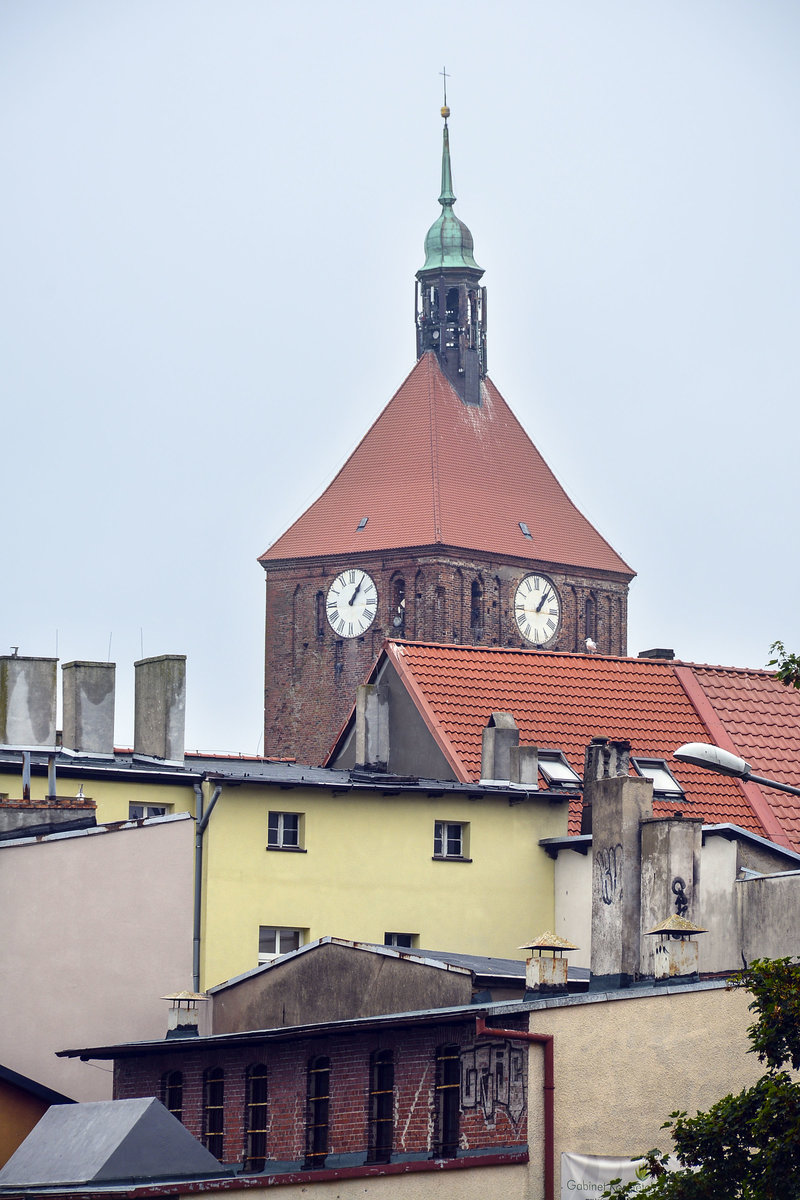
<point x="664" y="782"/>
<point x="556" y="770"/>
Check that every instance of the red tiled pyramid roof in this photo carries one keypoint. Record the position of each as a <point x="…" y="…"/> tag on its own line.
<point x="562" y="701"/>
<point x="435" y="471"/>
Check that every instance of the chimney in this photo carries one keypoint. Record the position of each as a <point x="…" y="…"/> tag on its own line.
<point x="676" y="952"/>
<point x="657" y="652"/>
<point x="28" y="701"/>
<point x="183" y="1017"/>
<point x="500" y="738"/>
<point x="544" y="974"/>
<point x="603" y="759"/>
<point x="88" y="691"/>
<point x="618" y="805"/>
<point x="670" y="876"/>
<point x="372" y="727"/>
<point x="160" y="707"/>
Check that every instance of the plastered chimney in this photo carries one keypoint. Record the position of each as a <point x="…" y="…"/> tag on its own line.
<point x="160" y="707"/>
<point x="88" y="691"/>
<point x="604" y="758"/>
<point x="670" y="877"/>
<point x="500" y="737"/>
<point x="372" y="727"/>
<point x="28" y="701"/>
<point x="619" y="804"/>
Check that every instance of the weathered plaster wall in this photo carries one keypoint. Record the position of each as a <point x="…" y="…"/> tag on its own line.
<point x="510" y="1183"/>
<point x="623" y="1064"/>
<point x="96" y="928"/>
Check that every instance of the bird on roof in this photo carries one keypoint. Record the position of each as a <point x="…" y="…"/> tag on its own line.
<point x="591" y="646"/>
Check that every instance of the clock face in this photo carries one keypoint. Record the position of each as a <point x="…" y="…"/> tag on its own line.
<point x="352" y="603"/>
<point x="537" y="609"/>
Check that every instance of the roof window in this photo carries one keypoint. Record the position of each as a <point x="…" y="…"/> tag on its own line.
<point x="527" y="533"/>
<point x="556" y="769"/>
<point x="664" y="782"/>
<point x="362" y="524"/>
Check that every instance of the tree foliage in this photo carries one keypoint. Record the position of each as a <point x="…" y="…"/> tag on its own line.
<point x="747" y="1146"/>
<point x="788" y="665"/>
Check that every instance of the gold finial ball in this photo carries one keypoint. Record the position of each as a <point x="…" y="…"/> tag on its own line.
<point x="445" y="112"/>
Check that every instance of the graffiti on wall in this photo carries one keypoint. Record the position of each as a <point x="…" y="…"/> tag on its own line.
<point x="608" y="865"/>
<point x="492" y="1078"/>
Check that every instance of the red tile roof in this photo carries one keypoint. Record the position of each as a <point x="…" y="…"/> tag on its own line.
<point x="435" y="471"/>
<point x="564" y="700"/>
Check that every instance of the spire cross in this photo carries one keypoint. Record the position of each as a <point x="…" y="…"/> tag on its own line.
<point x="445" y="78"/>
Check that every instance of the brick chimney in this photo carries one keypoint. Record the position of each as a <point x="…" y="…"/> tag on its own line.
<point x="88" y="691"/>
<point x="28" y="701"/>
<point x="160" y="707"/>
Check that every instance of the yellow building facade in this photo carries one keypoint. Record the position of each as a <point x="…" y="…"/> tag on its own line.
<point x="290" y="854"/>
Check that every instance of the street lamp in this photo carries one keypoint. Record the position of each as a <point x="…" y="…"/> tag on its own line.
<point x="713" y="758"/>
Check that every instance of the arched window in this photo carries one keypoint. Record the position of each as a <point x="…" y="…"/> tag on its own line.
<point x="255" y="1116"/>
<point x="448" y="1101"/>
<point x="172" y="1093"/>
<point x="590" y="617"/>
<point x="381" y="1106"/>
<point x="398" y="613"/>
<point x="214" y="1110"/>
<point x="318" y="1111"/>
<point x="476" y="609"/>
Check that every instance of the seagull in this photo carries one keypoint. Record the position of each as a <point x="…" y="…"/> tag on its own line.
<point x="591" y="646"/>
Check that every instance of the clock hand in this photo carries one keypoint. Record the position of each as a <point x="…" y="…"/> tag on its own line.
<point x="545" y="594"/>
<point x="358" y="589"/>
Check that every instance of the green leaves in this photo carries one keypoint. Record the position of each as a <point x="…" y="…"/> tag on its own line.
<point x="788" y="665"/>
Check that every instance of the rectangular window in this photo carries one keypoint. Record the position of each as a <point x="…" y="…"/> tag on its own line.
<point x="450" y="839"/>
<point x="318" y="1111"/>
<point x="556" y="770"/>
<point x="664" y="782"/>
<point x="405" y="941"/>
<point x="214" y="1111"/>
<point x="138" y="812"/>
<point x="255" y="1143"/>
<point x="381" y="1106"/>
<point x="274" y="940"/>
<point x="448" y="1102"/>
<point x="285" y="831"/>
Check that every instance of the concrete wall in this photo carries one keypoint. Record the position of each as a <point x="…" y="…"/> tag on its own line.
<point x="332" y="983"/>
<point x="96" y="928"/>
<point x="510" y="1183"/>
<point x="769" y="915"/>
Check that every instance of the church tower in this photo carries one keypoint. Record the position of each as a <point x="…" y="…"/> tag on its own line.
<point x="444" y="525"/>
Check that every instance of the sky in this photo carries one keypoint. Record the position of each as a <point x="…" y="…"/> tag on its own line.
<point x="211" y="216"/>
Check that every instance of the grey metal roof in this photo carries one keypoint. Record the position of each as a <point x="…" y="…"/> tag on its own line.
<point x="107" y="1141"/>
<point x="241" y="770"/>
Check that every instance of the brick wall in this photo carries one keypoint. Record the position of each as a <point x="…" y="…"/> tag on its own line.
<point x="311" y="675"/>
<point x="493" y="1094"/>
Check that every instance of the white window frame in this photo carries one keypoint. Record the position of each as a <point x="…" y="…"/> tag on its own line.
<point x="557" y="771"/>
<point x="288" y="933"/>
<point x="444" y="841"/>
<point x="148" y="811"/>
<point x="410" y="941"/>
<point x="283" y="838"/>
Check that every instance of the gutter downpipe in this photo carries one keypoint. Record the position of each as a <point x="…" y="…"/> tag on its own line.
<point x="201" y="819"/>
<point x="545" y="1040"/>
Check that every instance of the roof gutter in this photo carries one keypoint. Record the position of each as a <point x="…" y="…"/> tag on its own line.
<point x="546" y="1041"/>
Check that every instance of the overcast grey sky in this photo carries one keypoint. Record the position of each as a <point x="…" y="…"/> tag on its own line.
<point x="211" y="217"/>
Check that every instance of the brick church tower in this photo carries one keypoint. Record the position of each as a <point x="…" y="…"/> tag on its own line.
<point x="444" y="525"/>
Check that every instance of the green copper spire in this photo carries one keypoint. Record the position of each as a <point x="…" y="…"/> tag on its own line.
<point x="448" y="242"/>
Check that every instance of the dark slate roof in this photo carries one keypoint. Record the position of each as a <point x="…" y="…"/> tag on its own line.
<point x="107" y="1141"/>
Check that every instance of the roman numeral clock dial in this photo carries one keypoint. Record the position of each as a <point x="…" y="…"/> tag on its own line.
<point x="352" y="603"/>
<point x="537" y="609"/>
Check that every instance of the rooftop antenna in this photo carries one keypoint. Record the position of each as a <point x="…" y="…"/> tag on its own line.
<point x="109" y="646"/>
<point x="141" y="640"/>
